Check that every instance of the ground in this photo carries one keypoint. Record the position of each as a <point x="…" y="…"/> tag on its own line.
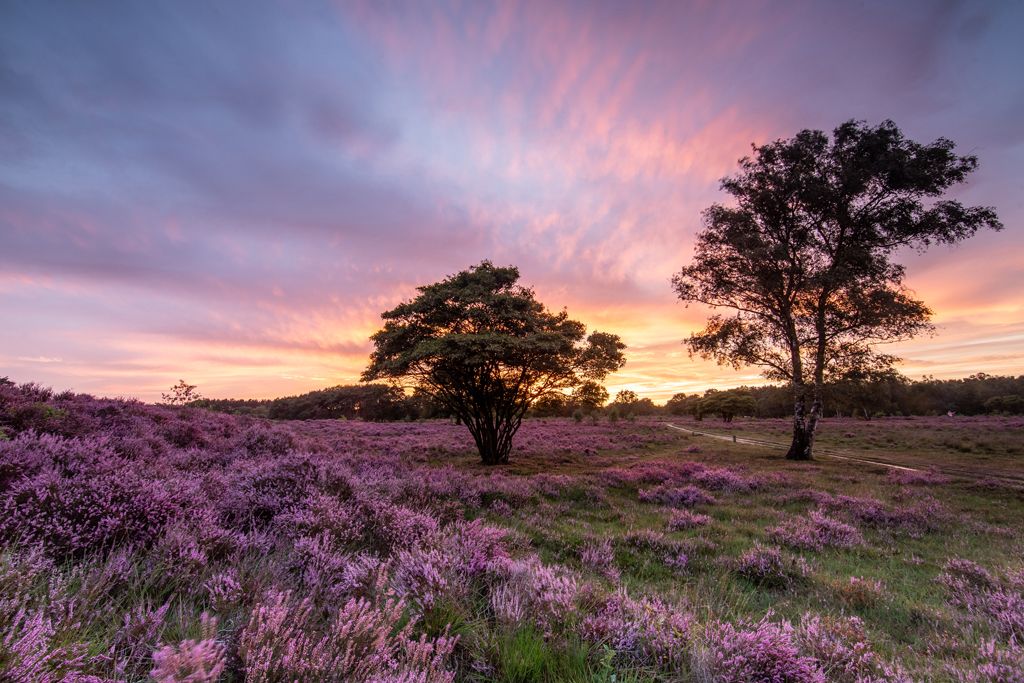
<point x="603" y="551"/>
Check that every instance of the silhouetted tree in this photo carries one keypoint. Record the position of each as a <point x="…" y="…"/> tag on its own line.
<point x="483" y="346"/>
<point x="804" y="257"/>
<point x="588" y="396"/>
<point x="181" y="394"/>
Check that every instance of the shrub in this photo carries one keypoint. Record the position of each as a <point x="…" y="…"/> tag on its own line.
<point x="816" y="531"/>
<point x="191" y="661"/>
<point x="770" y="567"/>
<point x="645" y="632"/>
<point x="684" y="496"/>
<point x="762" y="651"/>
<point x="685" y="519"/>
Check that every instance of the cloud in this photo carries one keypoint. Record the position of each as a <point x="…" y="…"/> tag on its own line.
<point x="236" y="196"/>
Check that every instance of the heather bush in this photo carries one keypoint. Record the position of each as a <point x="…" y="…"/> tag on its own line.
<point x="191" y="661"/>
<point x="676" y="496"/>
<point x="768" y="566"/>
<point x="762" y="651"/>
<point x="816" y="531"/>
<point x="985" y="598"/>
<point x="685" y="519"/>
<point x="647" y="632"/>
<point x="599" y="557"/>
<point x="841" y="648"/>
<point x="284" y="640"/>
<point x="995" y="664"/>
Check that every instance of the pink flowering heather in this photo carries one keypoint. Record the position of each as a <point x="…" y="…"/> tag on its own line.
<point x="842" y="650"/>
<point x="28" y="655"/>
<point x="599" y="557"/>
<point x="763" y="651"/>
<point x="136" y="640"/>
<point x="191" y="661"/>
<point x="677" y="561"/>
<point x="682" y="496"/>
<point x="534" y="592"/>
<point x="685" y="519"/>
<point x="224" y="590"/>
<point x="816" y="531"/>
<point x="282" y="641"/>
<point x="647" y="632"/>
<point x="995" y="664"/>
<point x="769" y="566"/>
<point x="722" y="479"/>
<point x="972" y="588"/>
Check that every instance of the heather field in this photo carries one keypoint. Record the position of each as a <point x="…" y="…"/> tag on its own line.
<point x="151" y="543"/>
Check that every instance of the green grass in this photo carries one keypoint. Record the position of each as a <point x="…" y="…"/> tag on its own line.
<point x="913" y="613"/>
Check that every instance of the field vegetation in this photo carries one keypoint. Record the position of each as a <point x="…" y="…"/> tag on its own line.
<point x="177" y="544"/>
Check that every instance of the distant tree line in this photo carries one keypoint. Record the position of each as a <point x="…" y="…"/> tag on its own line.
<point x="370" y="402"/>
<point x="891" y="394"/>
<point x="888" y="395"/>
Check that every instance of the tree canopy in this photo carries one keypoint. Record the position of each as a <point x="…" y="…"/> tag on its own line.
<point x="482" y="345"/>
<point x="803" y="258"/>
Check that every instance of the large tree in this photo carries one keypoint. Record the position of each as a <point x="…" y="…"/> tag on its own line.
<point x="483" y="346"/>
<point x="803" y="257"/>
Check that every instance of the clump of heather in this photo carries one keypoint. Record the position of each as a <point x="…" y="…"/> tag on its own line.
<point x="763" y="651"/>
<point x="985" y="598"/>
<point x="768" y="566"/>
<point x="28" y="652"/>
<point x="917" y="516"/>
<point x="994" y="664"/>
<point x="191" y="661"/>
<point x="842" y="649"/>
<point x="647" y="632"/>
<point x="686" y="519"/>
<point x="676" y="496"/>
<point x="646" y="539"/>
<point x="74" y="495"/>
<point x="363" y="641"/>
<point x="722" y="479"/>
<point x="599" y="557"/>
<point x="677" y="561"/>
<point x="816" y="531"/>
<point x="530" y="592"/>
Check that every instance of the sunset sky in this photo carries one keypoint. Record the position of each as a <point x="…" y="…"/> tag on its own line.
<point x="232" y="193"/>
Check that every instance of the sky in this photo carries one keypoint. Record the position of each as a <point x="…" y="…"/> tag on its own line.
<point x="232" y="193"/>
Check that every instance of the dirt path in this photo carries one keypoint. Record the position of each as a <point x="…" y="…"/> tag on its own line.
<point x="843" y="455"/>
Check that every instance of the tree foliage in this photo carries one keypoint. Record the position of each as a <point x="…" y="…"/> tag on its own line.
<point x="803" y="259"/>
<point x="181" y="394"/>
<point x="482" y="345"/>
<point x="588" y="396"/>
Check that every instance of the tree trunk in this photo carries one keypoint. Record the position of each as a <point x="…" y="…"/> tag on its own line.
<point x="803" y="428"/>
<point x="805" y="424"/>
<point x="494" y="444"/>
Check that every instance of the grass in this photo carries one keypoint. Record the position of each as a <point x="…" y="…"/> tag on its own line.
<point x="983" y="525"/>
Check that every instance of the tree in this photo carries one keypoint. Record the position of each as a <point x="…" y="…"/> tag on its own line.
<point x="677" y="405"/>
<point x="551" y="405"/>
<point x="804" y="258"/>
<point x="588" y="396"/>
<point x="626" y="398"/>
<point x="483" y="346"/>
<point x="181" y="394"/>
<point x="728" y="404"/>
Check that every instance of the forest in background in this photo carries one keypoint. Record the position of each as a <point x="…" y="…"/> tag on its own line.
<point x="891" y="395"/>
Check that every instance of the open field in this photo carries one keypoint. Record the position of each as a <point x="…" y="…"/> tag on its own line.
<point x="142" y="542"/>
<point x="974" y="447"/>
